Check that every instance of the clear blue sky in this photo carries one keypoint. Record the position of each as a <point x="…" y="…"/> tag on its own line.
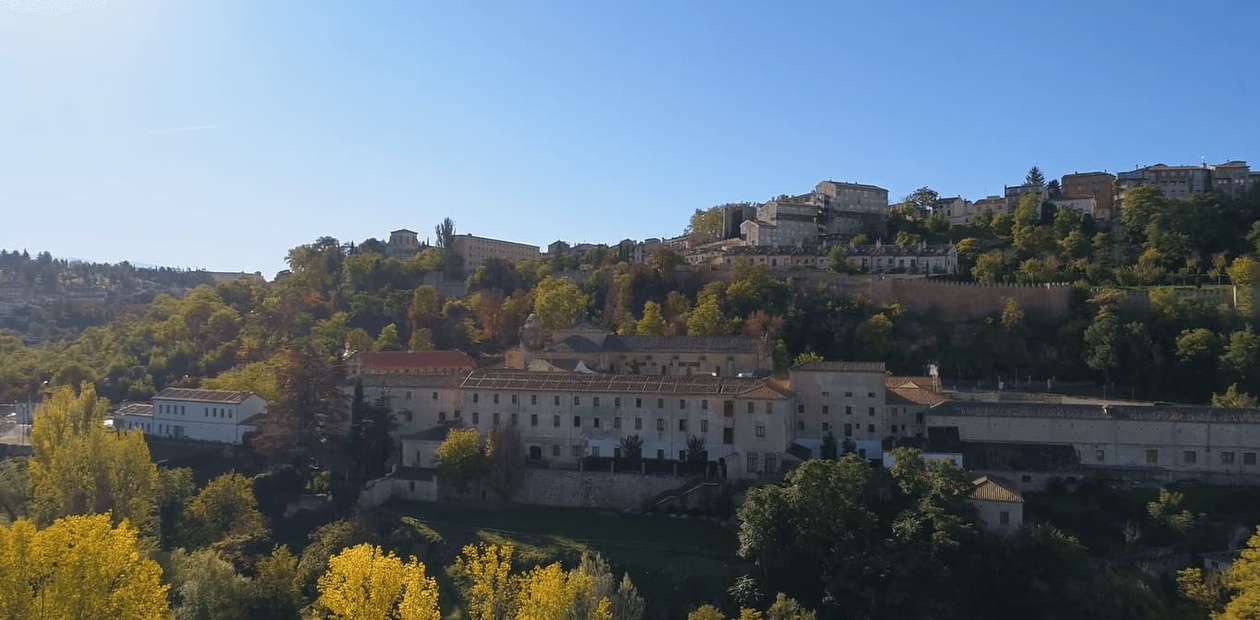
<point x="220" y="133"/>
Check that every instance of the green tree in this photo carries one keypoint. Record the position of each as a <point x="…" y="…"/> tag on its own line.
<point x="990" y="268"/>
<point x="1233" y="398"/>
<point x="1035" y="177"/>
<point x="15" y="488"/>
<point x="275" y="591"/>
<point x="838" y="261"/>
<point x="225" y="508"/>
<point x="207" y="587"/>
<point x="652" y="323"/>
<point x="706" y="318"/>
<point x="807" y="357"/>
<point x="830" y="450"/>
<point x="310" y="416"/>
<point x="558" y="302"/>
<point x="505" y="460"/>
<point x="388" y="339"/>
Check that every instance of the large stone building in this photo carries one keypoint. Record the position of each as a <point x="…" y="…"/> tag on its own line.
<point x="783" y="221"/>
<point x="601" y="350"/>
<point x="1100" y="187"/>
<point x="1232" y="179"/>
<point x="846" y="209"/>
<point x="1176" y="182"/>
<point x="402" y="244"/>
<point x="408" y="363"/>
<point x="922" y="259"/>
<point x="475" y="251"/>
<point x="846" y="399"/>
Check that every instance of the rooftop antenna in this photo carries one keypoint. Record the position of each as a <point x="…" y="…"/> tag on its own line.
<point x="1203" y="160"/>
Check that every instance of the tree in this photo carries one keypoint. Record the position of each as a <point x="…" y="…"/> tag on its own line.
<point x="444" y="234"/>
<point x="310" y="416"/>
<point x="425" y="310"/>
<point x="990" y="267"/>
<point x="838" y="261"/>
<point x="1233" y="398"/>
<point x="505" y="460"/>
<point x="225" y="508"/>
<point x="550" y="592"/>
<point x="807" y="357"/>
<point x="421" y="340"/>
<point x="366" y="583"/>
<point x="706" y="225"/>
<point x="652" y="323"/>
<point x="80" y="467"/>
<point x="631" y="447"/>
<point x="706" y="318"/>
<point x="461" y="458"/>
<point x="207" y="587"/>
<point x="695" y="449"/>
<point x="15" y="488"/>
<point x="370" y="442"/>
<point x="706" y="612"/>
<point x="1035" y="177"/>
<point x="786" y="608"/>
<point x="484" y="573"/>
<point x="388" y="339"/>
<point x="558" y="302"/>
<point x="275" y="591"/>
<point x="830" y="449"/>
<point x="78" y="567"/>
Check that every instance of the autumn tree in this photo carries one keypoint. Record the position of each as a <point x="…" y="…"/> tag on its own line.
<point x="225" y="508"/>
<point x="80" y="467"/>
<point x="1233" y="398"/>
<point x="461" y="457"/>
<point x="206" y="586"/>
<point x="653" y="322"/>
<point x="706" y="318"/>
<point x="484" y="573"/>
<point x="505" y="460"/>
<point x="365" y="583"/>
<point x="275" y="591"/>
<point x="78" y="567"/>
<point x="15" y="488"/>
<point x="558" y="302"/>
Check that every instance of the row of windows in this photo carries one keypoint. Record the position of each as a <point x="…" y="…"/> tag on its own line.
<point x="850" y="428"/>
<point x="826" y="409"/>
<point x="209" y="412"/>
<point x="759" y="429"/>
<point x="1189" y="457"/>
<point x="596" y="401"/>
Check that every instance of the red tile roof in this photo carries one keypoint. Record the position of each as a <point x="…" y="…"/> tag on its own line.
<point x="417" y="359"/>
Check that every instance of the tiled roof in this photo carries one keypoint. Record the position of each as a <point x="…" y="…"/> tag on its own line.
<point x="991" y="489"/>
<point x="412" y="381"/>
<point x="890" y="249"/>
<point x="841" y="367"/>
<point x="204" y="396"/>
<point x="1136" y="413"/>
<point x="921" y="383"/>
<point x="416" y="359"/>
<point x="524" y="380"/>
<point x="144" y="409"/>
<point x="913" y="396"/>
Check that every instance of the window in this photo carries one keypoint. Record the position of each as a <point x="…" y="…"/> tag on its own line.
<point x="1152" y="456"/>
<point x="660" y="424"/>
<point x="660" y="403"/>
<point x="825" y="393"/>
<point x="870" y="428"/>
<point x="704" y="404"/>
<point x="682" y="403"/>
<point x="848" y="410"/>
<point x="476" y="397"/>
<point x="848" y="430"/>
<point x="514" y="399"/>
<point x="495" y="417"/>
<point x="704" y="426"/>
<point x="752" y="462"/>
<point x="826" y="410"/>
<point x="596" y="402"/>
<point x="407" y="395"/>
<point x="638" y="403"/>
<point x="750" y="407"/>
<point x="1249" y="458"/>
<point x="728" y="436"/>
<point x="556" y="401"/>
<point x="1025" y="478"/>
<point x="617" y="401"/>
<point x="772" y="462"/>
<point x="496" y="399"/>
<point x="870" y="394"/>
<point x="595" y="422"/>
<point x="1004" y="517"/>
<point x="846" y="394"/>
<point x="801" y="408"/>
<point x="533" y="419"/>
<point x="1100" y="455"/>
<point x="1227" y="458"/>
<point x="1189" y="457"/>
<point x="555" y="421"/>
<point x="577" y="421"/>
<point x="761" y="430"/>
<point x="555" y="450"/>
<point x="617" y="422"/>
<point x="638" y="424"/>
<point x="594" y="450"/>
<point x="871" y="411"/>
<point x="660" y="455"/>
<point x="533" y="399"/>
<point x="577" y="400"/>
<point x="826" y="426"/>
<point x="441" y="416"/>
<point x="577" y="452"/>
<point x="476" y="417"/>
<point x="800" y="425"/>
<point x="682" y="425"/>
<point x="769" y="408"/>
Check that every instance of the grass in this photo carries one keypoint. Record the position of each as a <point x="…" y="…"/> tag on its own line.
<point x="675" y="563"/>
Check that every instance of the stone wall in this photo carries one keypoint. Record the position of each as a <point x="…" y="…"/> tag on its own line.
<point x="549" y="487"/>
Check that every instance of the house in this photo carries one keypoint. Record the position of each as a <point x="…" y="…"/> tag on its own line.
<point x="408" y="363"/>
<point x="603" y="351"/>
<point x="846" y="399"/>
<point x="956" y="210"/>
<point x="774" y="257"/>
<point x="1088" y="206"/>
<point x="1097" y="186"/>
<point x="402" y="244"/>
<point x="908" y="399"/>
<point x="921" y="259"/>
<point x="134" y="416"/>
<point x="219" y="416"/>
<point x="999" y="504"/>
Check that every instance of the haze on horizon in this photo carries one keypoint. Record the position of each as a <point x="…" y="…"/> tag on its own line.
<point x="220" y="134"/>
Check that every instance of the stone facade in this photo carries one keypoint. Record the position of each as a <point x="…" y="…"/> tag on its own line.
<point x="844" y="398"/>
<point x="475" y="251"/>
<point x="1098" y="186"/>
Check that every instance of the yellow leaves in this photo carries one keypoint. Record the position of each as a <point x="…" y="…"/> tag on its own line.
<point x="487" y="571"/>
<point x="81" y="467"/>
<point x="365" y="583"/>
<point x="79" y="567"/>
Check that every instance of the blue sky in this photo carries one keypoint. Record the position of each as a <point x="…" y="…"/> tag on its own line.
<point x="218" y="134"/>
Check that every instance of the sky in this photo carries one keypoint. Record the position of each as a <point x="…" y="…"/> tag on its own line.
<point x="218" y="134"/>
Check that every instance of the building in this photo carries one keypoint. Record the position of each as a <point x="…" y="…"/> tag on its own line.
<point x="774" y="257"/>
<point x="1014" y="194"/>
<point x="402" y="244"/>
<point x="603" y="351"/>
<point x="475" y="251"/>
<point x="908" y="400"/>
<point x="783" y="221"/>
<point x="922" y="259"/>
<point x="218" y="416"/>
<point x="734" y="216"/>
<point x="1156" y="443"/>
<point x="846" y="209"/>
<point x="999" y="505"/>
<point x="1232" y="179"/>
<point x="1098" y="186"/>
<point x="846" y="399"/>
<point x="1088" y="206"/>
<point x="990" y="205"/>
<point x="1175" y="182"/>
<point x="956" y="210"/>
<point x="409" y="363"/>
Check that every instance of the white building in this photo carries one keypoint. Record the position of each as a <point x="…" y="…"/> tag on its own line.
<point x="1085" y="205"/>
<point x="218" y="416"/>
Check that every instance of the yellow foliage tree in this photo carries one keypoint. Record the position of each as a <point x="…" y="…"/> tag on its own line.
<point x="1243" y="580"/>
<point x="78" y="567"/>
<point x="551" y="593"/>
<point x="365" y="583"/>
<point x="706" y="612"/>
<point x="226" y="507"/>
<point x="81" y="467"/>
<point x="488" y="585"/>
